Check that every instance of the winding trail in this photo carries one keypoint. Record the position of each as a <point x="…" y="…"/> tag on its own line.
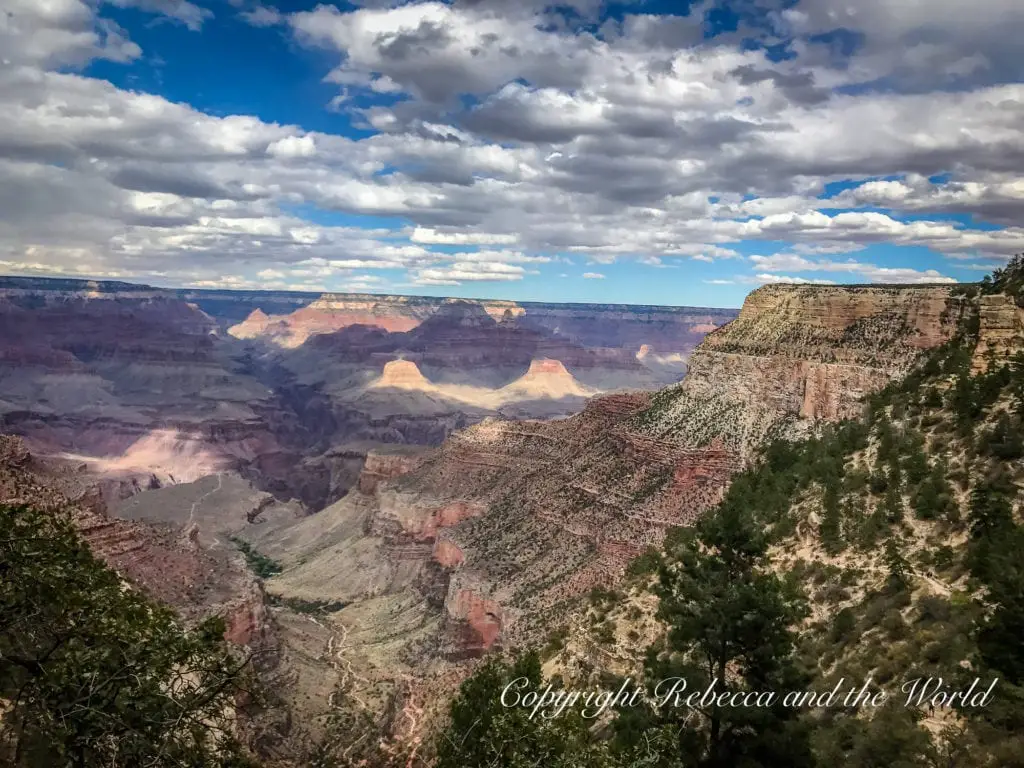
<point x="201" y="499"/>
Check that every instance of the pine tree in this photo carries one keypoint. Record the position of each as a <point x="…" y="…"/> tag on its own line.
<point x="831" y="521"/>
<point x="488" y="728"/>
<point x="892" y="505"/>
<point x="898" y="568"/>
<point x="730" y="621"/>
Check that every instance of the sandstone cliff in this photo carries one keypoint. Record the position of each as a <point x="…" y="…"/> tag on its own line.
<point x="1000" y="330"/>
<point x="143" y="383"/>
<point x="799" y="353"/>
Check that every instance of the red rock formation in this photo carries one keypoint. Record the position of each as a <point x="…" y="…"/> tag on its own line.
<point x="403" y="374"/>
<point x="380" y="467"/>
<point x="447" y="554"/>
<point x="476" y="622"/>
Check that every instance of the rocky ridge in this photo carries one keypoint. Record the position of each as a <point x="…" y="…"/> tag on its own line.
<point x="799" y="353"/>
<point x="1000" y="330"/>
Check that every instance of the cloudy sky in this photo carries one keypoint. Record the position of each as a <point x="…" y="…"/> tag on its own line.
<point x="655" y="151"/>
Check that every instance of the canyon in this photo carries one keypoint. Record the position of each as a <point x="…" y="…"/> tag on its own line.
<point x="494" y="538"/>
<point x="153" y="385"/>
<point x="435" y="479"/>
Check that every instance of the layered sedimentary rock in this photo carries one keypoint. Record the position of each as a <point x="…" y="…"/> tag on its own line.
<point x="1000" y="330"/>
<point x="138" y="387"/>
<point x="332" y="313"/>
<point x="797" y="353"/>
<point x="492" y="538"/>
<point x="382" y="464"/>
<point x="666" y="331"/>
<point x="145" y="385"/>
<point x="161" y="559"/>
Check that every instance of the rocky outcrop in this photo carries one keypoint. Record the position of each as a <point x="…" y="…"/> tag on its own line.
<point x="799" y="353"/>
<point x="332" y="313"/>
<point x="493" y="538"/>
<point x="383" y="465"/>
<point x="546" y="379"/>
<point x="565" y="505"/>
<point x="144" y="385"/>
<point x="402" y="374"/>
<point x="1000" y="330"/>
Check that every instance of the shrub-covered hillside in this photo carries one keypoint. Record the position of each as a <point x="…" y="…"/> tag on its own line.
<point x="881" y="550"/>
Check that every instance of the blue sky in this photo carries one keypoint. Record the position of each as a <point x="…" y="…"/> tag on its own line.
<point x="646" y="152"/>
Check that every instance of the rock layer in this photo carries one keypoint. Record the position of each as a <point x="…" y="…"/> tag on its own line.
<point x="800" y="353"/>
<point x="508" y="524"/>
<point x="1000" y="330"/>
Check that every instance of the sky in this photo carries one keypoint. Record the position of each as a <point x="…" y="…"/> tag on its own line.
<point x="677" y="152"/>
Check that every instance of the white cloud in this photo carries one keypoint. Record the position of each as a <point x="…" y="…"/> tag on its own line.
<point x="646" y="142"/>
<point x="593" y="276"/>
<point x="469" y="272"/>
<point x="262" y="16"/>
<point x="293" y="146"/>
<point x="788" y="262"/>
<point x="189" y="14"/>
<point x="432" y="236"/>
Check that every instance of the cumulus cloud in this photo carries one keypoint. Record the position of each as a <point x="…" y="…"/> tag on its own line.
<point x="593" y="276"/>
<point x="431" y="236"/>
<point x="293" y="146"/>
<point x="637" y="139"/>
<point x="469" y="272"/>
<point x="789" y="262"/>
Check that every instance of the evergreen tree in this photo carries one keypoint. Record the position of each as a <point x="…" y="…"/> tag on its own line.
<point x="729" y="621"/>
<point x="96" y="674"/>
<point x="916" y="462"/>
<point x="933" y="498"/>
<point x="892" y="505"/>
<point x="898" y="568"/>
<point x="486" y="730"/>
<point x="831" y="522"/>
<point x="1004" y="441"/>
<point x="991" y="509"/>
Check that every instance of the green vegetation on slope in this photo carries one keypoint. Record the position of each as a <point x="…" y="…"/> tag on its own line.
<point x="92" y="673"/>
<point x="886" y="548"/>
<point x="261" y="565"/>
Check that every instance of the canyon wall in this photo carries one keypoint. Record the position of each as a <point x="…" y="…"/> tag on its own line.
<point x="1000" y="330"/>
<point x="799" y="353"/>
<point x="428" y="557"/>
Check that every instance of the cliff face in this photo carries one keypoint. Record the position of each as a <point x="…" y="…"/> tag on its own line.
<point x="797" y="353"/>
<point x="163" y="560"/>
<point x="136" y="385"/>
<point x="665" y="330"/>
<point x="331" y="313"/>
<point x="146" y="383"/>
<point x="1000" y="330"/>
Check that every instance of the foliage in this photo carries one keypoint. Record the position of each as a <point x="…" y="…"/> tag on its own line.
<point x="485" y="732"/>
<point x="730" y="621"/>
<point x="260" y="564"/>
<point x="97" y="674"/>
